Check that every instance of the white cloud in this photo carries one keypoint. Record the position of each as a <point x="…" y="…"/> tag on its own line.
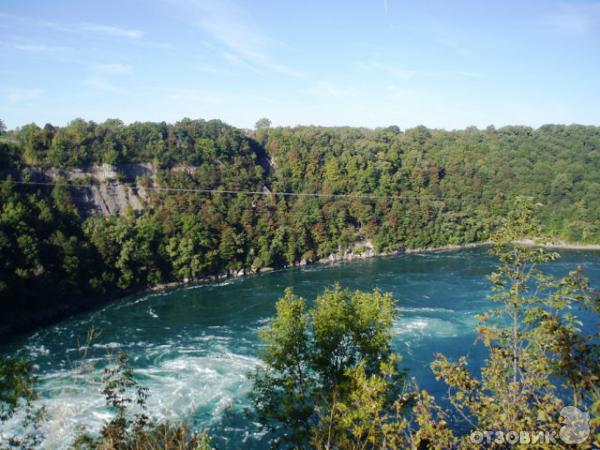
<point x="38" y="48"/>
<point x="20" y="95"/>
<point x="209" y="68"/>
<point x="236" y="59"/>
<point x="199" y="96"/>
<point x="113" y="68"/>
<point x="327" y="89"/>
<point x="226" y="23"/>
<point x="377" y="66"/>
<point x="402" y="94"/>
<point x="88" y="30"/>
<point x="113" y="31"/>
<point x="100" y="84"/>
<point x="445" y="73"/>
<point x="403" y="73"/>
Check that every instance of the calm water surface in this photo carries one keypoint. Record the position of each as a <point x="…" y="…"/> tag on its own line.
<point x="194" y="346"/>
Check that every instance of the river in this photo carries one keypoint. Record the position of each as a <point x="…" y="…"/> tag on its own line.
<point x="193" y="346"/>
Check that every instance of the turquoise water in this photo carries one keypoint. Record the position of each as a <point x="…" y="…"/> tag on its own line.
<point x="193" y="346"/>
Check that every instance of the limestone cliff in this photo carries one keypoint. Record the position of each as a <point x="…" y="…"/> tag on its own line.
<point x="100" y="190"/>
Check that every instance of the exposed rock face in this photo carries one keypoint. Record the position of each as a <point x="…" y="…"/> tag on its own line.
<point x="356" y="250"/>
<point x="104" y="190"/>
<point x="101" y="190"/>
<point x="112" y="198"/>
<point x="105" y="172"/>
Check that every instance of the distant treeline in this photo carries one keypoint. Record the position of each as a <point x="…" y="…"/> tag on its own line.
<point x="454" y="187"/>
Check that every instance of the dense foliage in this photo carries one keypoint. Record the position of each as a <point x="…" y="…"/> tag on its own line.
<point x="427" y="188"/>
<point x="131" y="428"/>
<point x="310" y="355"/>
<point x="330" y="379"/>
<point x="537" y="386"/>
<point x="16" y="385"/>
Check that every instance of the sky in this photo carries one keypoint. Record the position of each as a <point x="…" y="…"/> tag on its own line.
<point x="443" y="64"/>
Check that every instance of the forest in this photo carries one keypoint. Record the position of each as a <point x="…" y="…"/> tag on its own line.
<point x="395" y="189"/>
<point x="330" y="378"/>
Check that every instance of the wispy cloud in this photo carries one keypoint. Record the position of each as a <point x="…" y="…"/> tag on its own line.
<point x="38" y="48"/>
<point x="20" y="95"/>
<point x="111" y="30"/>
<point x="89" y="30"/>
<point x="236" y="59"/>
<point x="113" y="68"/>
<point x="199" y="96"/>
<point x="209" y="68"/>
<point x="444" y="73"/>
<point x="402" y="94"/>
<point x="234" y="28"/>
<point x="210" y="97"/>
<point x="82" y="29"/>
<point x="395" y="70"/>
<point x="327" y="89"/>
<point x="573" y="17"/>
<point x="101" y="84"/>
<point x="403" y="73"/>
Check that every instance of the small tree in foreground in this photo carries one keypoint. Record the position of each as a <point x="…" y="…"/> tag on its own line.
<point x="17" y="392"/>
<point x="131" y="428"/>
<point x="313" y="357"/>
<point x="539" y="360"/>
<point x="16" y="385"/>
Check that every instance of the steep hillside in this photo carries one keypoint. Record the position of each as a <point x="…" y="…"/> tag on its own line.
<point x="94" y="209"/>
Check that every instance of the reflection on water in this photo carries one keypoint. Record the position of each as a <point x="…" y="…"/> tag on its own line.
<point x="194" y="346"/>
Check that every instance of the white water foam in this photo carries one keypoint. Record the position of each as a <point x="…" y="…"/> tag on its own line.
<point x="181" y="385"/>
<point x="426" y="309"/>
<point x="420" y="327"/>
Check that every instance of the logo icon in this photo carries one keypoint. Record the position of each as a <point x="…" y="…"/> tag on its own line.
<point x="576" y="426"/>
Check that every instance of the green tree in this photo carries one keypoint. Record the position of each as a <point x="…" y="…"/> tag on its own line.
<point x="16" y="385"/>
<point x="262" y="124"/>
<point x="309" y="356"/>
<point x="533" y="340"/>
<point x="131" y="428"/>
<point x="538" y="361"/>
<point x="17" y="391"/>
<point x="2" y="128"/>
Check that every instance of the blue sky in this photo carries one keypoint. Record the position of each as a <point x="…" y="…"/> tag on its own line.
<point x="446" y="64"/>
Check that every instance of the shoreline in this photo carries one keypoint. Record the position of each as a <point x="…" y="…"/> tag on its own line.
<point x="331" y="259"/>
<point x="349" y="256"/>
<point x="558" y="244"/>
<point x="357" y="251"/>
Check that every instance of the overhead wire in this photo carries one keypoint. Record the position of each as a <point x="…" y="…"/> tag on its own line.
<point x="167" y="189"/>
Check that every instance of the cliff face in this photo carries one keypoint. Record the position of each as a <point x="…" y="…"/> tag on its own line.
<point x="101" y="190"/>
<point x="105" y="189"/>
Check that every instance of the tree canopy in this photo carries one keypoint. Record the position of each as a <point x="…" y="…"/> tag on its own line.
<point x="385" y="188"/>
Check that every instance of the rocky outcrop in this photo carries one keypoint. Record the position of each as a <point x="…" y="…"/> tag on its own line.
<point x="356" y="250"/>
<point x="105" y="172"/>
<point x="101" y="190"/>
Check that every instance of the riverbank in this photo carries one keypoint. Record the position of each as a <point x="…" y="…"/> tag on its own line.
<point x="194" y="346"/>
<point x="357" y="251"/>
<point x="559" y="245"/>
<point x="364" y="249"/>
